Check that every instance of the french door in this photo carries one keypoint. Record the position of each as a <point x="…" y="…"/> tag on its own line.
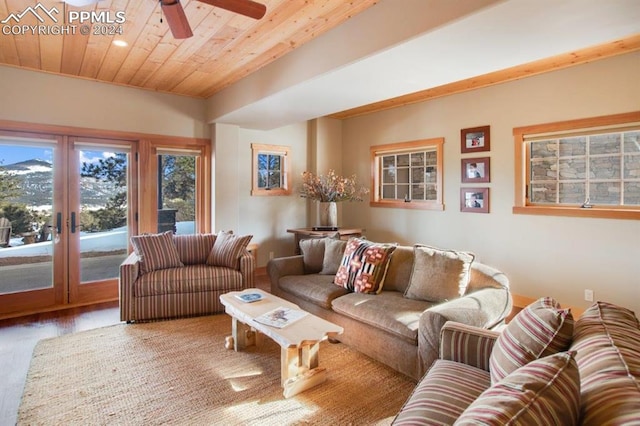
<point x="69" y="202"/>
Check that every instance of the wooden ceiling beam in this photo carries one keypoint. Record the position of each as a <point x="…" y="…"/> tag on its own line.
<point x="565" y="60"/>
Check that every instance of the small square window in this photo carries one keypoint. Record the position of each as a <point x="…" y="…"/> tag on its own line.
<point x="270" y="170"/>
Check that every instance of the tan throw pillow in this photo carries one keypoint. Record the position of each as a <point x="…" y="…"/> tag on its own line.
<point x="544" y="392"/>
<point x="438" y="275"/>
<point x="156" y="251"/>
<point x="227" y="249"/>
<point x="333" y="252"/>
<point x="539" y="330"/>
<point x="364" y="266"/>
<point x="312" y="253"/>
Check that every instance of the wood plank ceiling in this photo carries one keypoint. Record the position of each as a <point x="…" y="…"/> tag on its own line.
<point x="225" y="47"/>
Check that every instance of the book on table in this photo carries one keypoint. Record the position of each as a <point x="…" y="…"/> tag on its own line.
<point x="249" y="297"/>
<point x="280" y="317"/>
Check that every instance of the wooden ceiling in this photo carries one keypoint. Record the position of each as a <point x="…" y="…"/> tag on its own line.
<point x="225" y="47"/>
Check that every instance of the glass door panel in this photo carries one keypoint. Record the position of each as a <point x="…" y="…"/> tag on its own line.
<point x="30" y="244"/>
<point x="103" y="214"/>
<point x="99" y="218"/>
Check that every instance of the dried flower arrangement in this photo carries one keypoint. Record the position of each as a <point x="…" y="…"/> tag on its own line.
<point x="331" y="187"/>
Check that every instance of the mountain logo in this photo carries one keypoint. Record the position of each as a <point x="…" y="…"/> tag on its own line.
<point x="38" y="11"/>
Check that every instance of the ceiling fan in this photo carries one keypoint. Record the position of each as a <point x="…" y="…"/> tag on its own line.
<point x="177" y="20"/>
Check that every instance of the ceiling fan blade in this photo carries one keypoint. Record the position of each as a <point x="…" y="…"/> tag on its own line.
<point x="248" y="8"/>
<point x="176" y="18"/>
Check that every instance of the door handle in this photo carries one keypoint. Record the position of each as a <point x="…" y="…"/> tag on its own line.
<point x="59" y="223"/>
<point x="73" y="222"/>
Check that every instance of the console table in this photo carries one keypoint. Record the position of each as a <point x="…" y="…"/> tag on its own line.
<point x="306" y="233"/>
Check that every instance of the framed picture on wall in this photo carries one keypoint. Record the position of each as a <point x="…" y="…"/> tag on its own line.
<point x="475" y="139"/>
<point x="476" y="169"/>
<point x="474" y="200"/>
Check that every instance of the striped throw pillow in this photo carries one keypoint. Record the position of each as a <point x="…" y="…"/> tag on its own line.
<point x="364" y="266"/>
<point x="227" y="249"/>
<point x="606" y="339"/>
<point x="194" y="249"/>
<point x="539" y="330"/>
<point x="156" y="251"/>
<point x="544" y="392"/>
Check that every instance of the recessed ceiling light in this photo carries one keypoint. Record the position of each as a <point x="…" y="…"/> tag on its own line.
<point x="120" y="43"/>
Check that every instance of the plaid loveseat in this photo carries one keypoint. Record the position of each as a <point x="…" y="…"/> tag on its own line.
<point x="587" y="373"/>
<point x="182" y="275"/>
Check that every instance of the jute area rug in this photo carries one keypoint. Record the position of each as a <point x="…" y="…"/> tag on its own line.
<point x="178" y="372"/>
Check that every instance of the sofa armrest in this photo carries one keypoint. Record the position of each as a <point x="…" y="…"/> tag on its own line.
<point x="129" y="271"/>
<point x="483" y="308"/>
<point x="247" y="269"/>
<point x="467" y="344"/>
<point x="283" y="266"/>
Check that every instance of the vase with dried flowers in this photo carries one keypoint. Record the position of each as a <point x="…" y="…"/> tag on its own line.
<point x="328" y="190"/>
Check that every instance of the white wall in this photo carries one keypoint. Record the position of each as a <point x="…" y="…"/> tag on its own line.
<point x="555" y="256"/>
<point x="267" y="218"/>
<point x="38" y="97"/>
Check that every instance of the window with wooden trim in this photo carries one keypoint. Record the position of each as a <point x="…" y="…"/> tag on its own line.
<point x="408" y="174"/>
<point x="588" y="167"/>
<point x="271" y="170"/>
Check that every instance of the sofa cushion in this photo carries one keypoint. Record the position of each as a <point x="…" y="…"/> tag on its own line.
<point x="438" y="275"/>
<point x="156" y="251"/>
<point x="540" y="329"/>
<point x="188" y="279"/>
<point x="333" y="252"/>
<point x="194" y="249"/>
<point x="544" y="392"/>
<point x="387" y="310"/>
<point x="606" y="339"/>
<point x="227" y="249"/>
<point x="312" y="250"/>
<point x="363" y="266"/>
<point x="399" y="270"/>
<point x="315" y="288"/>
<point x="443" y="394"/>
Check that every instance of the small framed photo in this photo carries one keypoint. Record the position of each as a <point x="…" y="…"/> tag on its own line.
<point x="474" y="200"/>
<point x="476" y="169"/>
<point x="475" y="139"/>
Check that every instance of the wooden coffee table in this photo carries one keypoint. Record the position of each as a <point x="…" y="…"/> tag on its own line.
<point x="299" y="341"/>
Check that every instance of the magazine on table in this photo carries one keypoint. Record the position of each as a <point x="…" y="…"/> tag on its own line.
<point x="250" y="297"/>
<point x="280" y="317"/>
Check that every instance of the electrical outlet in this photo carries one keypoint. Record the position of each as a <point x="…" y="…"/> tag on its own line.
<point x="588" y="295"/>
<point x="270" y="255"/>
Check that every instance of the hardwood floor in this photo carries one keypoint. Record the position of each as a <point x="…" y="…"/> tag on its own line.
<point x="18" y="337"/>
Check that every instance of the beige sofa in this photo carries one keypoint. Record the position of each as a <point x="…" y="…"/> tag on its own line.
<point x="171" y="276"/>
<point x="399" y="331"/>
<point x="587" y="373"/>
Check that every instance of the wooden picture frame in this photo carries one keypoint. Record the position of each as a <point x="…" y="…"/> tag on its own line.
<point x="476" y="169"/>
<point x="474" y="200"/>
<point x="475" y="139"/>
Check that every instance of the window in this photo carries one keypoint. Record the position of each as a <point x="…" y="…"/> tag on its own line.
<point x="588" y="167"/>
<point x="270" y="170"/>
<point x="408" y="174"/>
<point x="177" y="193"/>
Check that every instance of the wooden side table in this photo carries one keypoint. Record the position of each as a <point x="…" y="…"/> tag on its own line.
<point x="306" y="233"/>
